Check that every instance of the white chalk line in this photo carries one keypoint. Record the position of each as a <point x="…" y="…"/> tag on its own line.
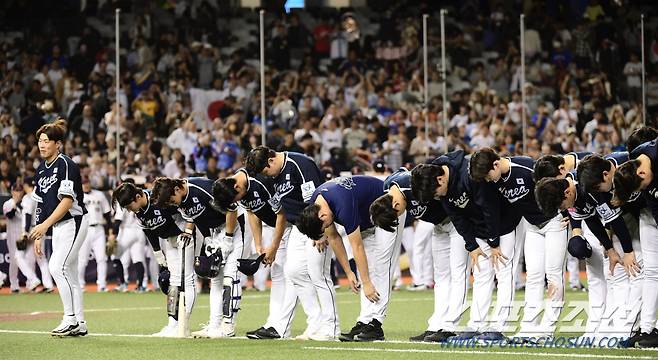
<point x="471" y="351"/>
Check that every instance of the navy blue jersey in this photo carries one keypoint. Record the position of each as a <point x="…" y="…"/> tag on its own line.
<point x="578" y="155"/>
<point x="518" y="188"/>
<point x="650" y="194"/>
<point x="473" y="207"/>
<point x="196" y="208"/>
<point x="617" y="158"/>
<point x="259" y="192"/>
<point x="432" y="212"/>
<point x="157" y="222"/>
<point x="349" y="199"/>
<point x="54" y="181"/>
<point x="295" y="184"/>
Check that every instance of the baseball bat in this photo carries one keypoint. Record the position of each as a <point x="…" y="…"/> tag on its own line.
<point x="182" y="313"/>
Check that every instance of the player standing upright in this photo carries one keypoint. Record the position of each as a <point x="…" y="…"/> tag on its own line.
<point x="61" y="208"/>
<point x="100" y="219"/>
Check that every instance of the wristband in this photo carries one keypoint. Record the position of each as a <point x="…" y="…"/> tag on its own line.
<point x="228" y="234"/>
<point x="188" y="231"/>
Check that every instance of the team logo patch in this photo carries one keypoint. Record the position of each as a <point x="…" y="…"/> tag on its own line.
<point x="519" y="181"/>
<point x="156" y="212"/>
<point x="55" y="170"/>
<point x="287" y="176"/>
<point x="195" y="200"/>
<point x="256" y="194"/>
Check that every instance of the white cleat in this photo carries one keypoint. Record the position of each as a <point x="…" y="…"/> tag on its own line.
<point x="81" y="331"/>
<point x="65" y="328"/>
<point x="208" y="331"/>
<point x="228" y="330"/>
<point x="167" y="332"/>
<point x="305" y="336"/>
<point x="321" y="337"/>
<point x="3" y="277"/>
<point x="33" y="284"/>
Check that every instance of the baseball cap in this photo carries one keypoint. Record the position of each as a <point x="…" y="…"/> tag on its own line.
<point x="250" y="266"/>
<point x="579" y="248"/>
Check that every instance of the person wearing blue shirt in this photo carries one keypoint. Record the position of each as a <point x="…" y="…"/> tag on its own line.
<point x="61" y="209"/>
<point x="346" y="201"/>
<point x="193" y="198"/>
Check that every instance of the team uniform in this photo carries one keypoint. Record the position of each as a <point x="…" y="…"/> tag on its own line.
<point x="99" y="209"/>
<point x="648" y="232"/>
<point x="14" y="212"/>
<point x="308" y="269"/>
<point x="27" y="259"/>
<point x="225" y="289"/>
<point x="54" y="181"/>
<point x="450" y="258"/>
<point x="573" y="264"/>
<point x="349" y="199"/>
<point x="475" y="210"/>
<point x="130" y="244"/>
<point x="161" y="226"/>
<point x="545" y="246"/>
<point x="282" y="296"/>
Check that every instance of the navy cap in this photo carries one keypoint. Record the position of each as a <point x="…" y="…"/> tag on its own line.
<point x="250" y="266"/>
<point x="579" y="248"/>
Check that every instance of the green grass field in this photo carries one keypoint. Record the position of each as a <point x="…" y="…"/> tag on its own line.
<point x="119" y="325"/>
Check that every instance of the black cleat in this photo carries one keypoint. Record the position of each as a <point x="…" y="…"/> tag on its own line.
<point x="439" y="336"/>
<point x="252" y="334"/>
<point x="356" y="329"/>
<point x="266" y="334"/>
<point x="372" y="332"/>
<point x="648" y="340"/>
<point x="422" y="336"/>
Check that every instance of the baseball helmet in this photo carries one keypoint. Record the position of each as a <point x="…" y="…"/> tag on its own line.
<point x="163" y="280"/>
<point x="579" y="248"/>
<point x="250" y="266"/>
<point x="208" y="266"/>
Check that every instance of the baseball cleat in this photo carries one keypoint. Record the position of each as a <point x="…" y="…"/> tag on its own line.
<point x="321" y="337"/>
<point x="422" y="336"/>
<point x="32" y="285"/>
<point x="81" y="330"/>
<point x="252" y="334"/>
<point x="465" y="335"/>
<point x="3" y="277"/>
<point x="305" y="336"/>
<point x="167" y="332"/>
<point x="48" y="290"/>
<point x="265" y="334"/>
<point x="227" y="329"/>
<point x="349" y="336"/>
<point x="372" y="332"/>
<point x="417" y="287"/>
<point x="65" y="328"/>
<point x="439" y="336"/>
<point x="648" y="340"/>
<point x="489" y="336"/>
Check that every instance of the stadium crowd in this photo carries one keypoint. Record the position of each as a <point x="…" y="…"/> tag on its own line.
<point x="346" y="102"/>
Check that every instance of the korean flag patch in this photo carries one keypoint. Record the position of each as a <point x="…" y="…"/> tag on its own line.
<point x="156" y="212"/>
<point x="195" y="200"/>
<point x="519" y="181"/>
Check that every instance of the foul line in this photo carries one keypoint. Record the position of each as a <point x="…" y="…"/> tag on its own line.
<point x="470" y="351"/>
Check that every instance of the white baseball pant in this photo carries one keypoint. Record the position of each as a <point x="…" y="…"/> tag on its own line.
<point x="26" y="260"/>
<point x="648" y="237"/>
<point x="451" y="275"/>
<point x="228" y="279"/>
<point x="511" y="245"/>
<point x="68" y="236"/>
<point x="422" y="253"/>
<point x="173" y="257"/>
<point x="95" y="241"/>
<point x="545" y="250"/>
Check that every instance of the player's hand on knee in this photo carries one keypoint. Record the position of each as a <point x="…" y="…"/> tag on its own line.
<point x="475" y="254"/>
<point x="370" y="292"/>
<point x="614" y="259"/>
<point x="630" y="264"/>
<point x="497" y="257"/>
<point x="270" y="255"/>
<point x="184" y="239"/>
<point x="564" y="222"/>
<point x="160" y="258"/>
<point x="321" y="244"/>
<point x="354" y="282"/>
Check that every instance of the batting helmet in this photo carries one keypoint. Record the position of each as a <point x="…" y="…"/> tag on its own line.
<point x="208" y="266"/>
<point x="579" y="248"/>
<point x="163" y="280"/>
<point x="250" y="266"/>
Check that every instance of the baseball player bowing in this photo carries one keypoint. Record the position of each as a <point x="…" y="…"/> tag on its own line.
<point x="554" y="195"/>
<point x="474" y="208"/>
<point x="295" y="177"/>
<point x="162" y="223"/>
<point x="545" y="238"/>
<point x="634" y="179"/>
<point x="60" y="207"/>
<point x="346" y="201"/>
<point x="253" y="194"/>
<point x="223" y="246"/>
<point x="450" y="276"/>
